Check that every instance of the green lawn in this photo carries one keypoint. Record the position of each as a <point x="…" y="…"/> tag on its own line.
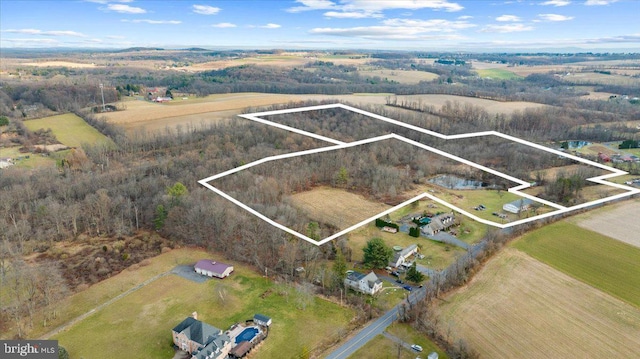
<point x="70" y="130"/>
<point x="34" y="160"/>
<point x="498" y="74"/>
<point x="605" y="263"/>
<point x="382" y="347"/>
<point x="144" y="319"/>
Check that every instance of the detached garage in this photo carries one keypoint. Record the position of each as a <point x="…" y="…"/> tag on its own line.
<point x="213" y="269"/>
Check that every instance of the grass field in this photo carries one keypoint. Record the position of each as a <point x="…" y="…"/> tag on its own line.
<point x="619" y="221"/>
<point x="517" y="307"/>
<point x="382" y="347"/>
<point x="401" y="76"/>
<point x="151" y="312"/>
<point x="70" y="130"/>
<point x="336" y="206"/>
<point x="498" y="74"/>
<point x="34" y="160"/>
<point x="605" y="263"/>
<point x="491" y="106"/>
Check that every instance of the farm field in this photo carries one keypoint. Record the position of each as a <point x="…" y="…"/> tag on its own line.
<point x="401" y="76"/>
<point x="601" y="79"/>
<point x="152" y="311"/>
<point x="195" y="111"/>
<point x="34" y="160"/>
<point x="284" y="60"/>
<point x="518" y="307"/>
<point x="70" y="130"/>
<point x="59" y="63"/>
<point x="382" y="347"/>
<point x="336" y="206"/>
<point x="497" y="74"/>
<point x="619" y="221"/>
<point x="600" y="261"/>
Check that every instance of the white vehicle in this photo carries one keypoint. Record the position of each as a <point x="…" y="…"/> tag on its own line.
<point x="416" y="347"/>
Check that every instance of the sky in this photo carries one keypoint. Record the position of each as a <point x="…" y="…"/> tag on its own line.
<point x="446" y="25"/>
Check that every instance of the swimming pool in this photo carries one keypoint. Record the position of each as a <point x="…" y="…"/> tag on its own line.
<point x="247" y="335"/>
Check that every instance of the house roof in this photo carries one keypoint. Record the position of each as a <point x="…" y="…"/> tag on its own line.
<point x="212" y="266"/>
<point x="197" y="331"/>
<point x="214" y="344"/>
<point x="372" y="279"/>
<point x="184" y="324"/>
<point x="521" y="202"/>
<point x="241" y="349"/>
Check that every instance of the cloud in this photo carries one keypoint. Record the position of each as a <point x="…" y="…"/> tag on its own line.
<point x="223" y="25"/>
<point x="367" y="8"/>
<point x="34" y="41"/>
<point x="554" y="17"/>
<point x="465" y="17"/>
<point x="599" y="2"/>
<point x="45" y="33"/>
<point x="205" y="9"/>
<point x="124" y="9"/>
<point x="556" y="3"/>
<point x="505" y="18"/>
<point x="352" y="14"/>
<point x="106" y="1"/>
<point x="153" y="22"/>
<point x="401" y="29"/>
<point x="271" y="26"/>
<point x="506" y="28"/>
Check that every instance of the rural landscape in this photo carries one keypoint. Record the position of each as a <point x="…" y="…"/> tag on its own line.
<point x="348" y="193"/>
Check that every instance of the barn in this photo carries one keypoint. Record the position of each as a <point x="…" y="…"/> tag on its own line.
<point x="518" y="205"/>
<point x="213" y="269"/>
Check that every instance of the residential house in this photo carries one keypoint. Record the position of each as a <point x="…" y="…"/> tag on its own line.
<point x="518" y="206"/>
<point x="201" y="340"/>
<point x="440" y="222"/>
<point x="213" y="269"/>
<point x="368" y="284"/>
<point x="400" y="257"/>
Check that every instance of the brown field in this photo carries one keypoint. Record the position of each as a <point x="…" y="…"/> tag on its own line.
<point x="59" y="64"/>
<point x="337" y="207"/>
<point x="620" y="221"/>
<point x="517" y="307"/>
<point x="290" y="60"/>
<point x="196" y="111"/>
<point x="594" y="95"/>
<point x="602" y="79"/>
<point x="481" y="65"/>
<point x="401" y="76"/>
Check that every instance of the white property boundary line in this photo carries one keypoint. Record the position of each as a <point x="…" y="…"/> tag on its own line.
<point x="340" y="145"/>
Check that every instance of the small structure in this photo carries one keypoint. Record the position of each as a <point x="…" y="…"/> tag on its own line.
<point x="241" y="350"/>
<point x="6" y="162"/>
<point x="367" y="284"/>
<point x="390" y="229"/>
<point x="518" y="206"/>
<point x="400" y="257"/>
<point x="603" y="157"/>
<point x="432" y="355"/>
<point x="213" y="269"/>
<point x="262" y="320"/>
<point x="201" y="340"/>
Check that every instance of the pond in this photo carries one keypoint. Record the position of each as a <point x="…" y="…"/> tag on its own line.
<point x="454" y="182"/>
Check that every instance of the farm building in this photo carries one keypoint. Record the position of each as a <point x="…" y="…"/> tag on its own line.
<point x="518" y="205"/>
<point x="603" y="157"/>
<point x="368" y="284"/>
<point x="6" y="162"/>
<point x="201" y="340"/>
<point x="400" y="257"/>
<point x="213" y="269"/>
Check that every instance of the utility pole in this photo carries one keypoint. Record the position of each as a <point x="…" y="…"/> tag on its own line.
<point x="102" y="92"/>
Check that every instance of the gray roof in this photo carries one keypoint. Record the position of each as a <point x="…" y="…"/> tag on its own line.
<point x="184" y="324"/>
<point x="521" y="202"/>
<point x="197" y="331"/>
<point x="214" y="343"/>
<point x="355" y="276"/>
<point x="262" y="318"/>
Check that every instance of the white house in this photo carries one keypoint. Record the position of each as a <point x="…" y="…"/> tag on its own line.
<point x="400" y="257"/>
<point x="518" y="205"/>
<point x="368" y="284"/>
<point x="213" y="269"/>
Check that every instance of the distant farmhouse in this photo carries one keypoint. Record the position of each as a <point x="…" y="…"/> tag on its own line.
<point x="400" y="257"/>
<point x="367" y="284"/>
<point x="204" y="341"/>
<point x="213" y="269"/>
<point x="518" y="206"/>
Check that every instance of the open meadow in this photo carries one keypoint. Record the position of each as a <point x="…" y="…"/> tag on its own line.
<point x="497" y="74"/>
<point x="490" y="106"/>
<point x="401" y="76"/>
<point x="600" y="261"/>
<point x="619" y="221"/>
<point x="382" y="347"/>
<point x="518" y="307"/>
<point x="70" y="130"/>
<point x="154" y="309"/>
<point x="335" y="206"/>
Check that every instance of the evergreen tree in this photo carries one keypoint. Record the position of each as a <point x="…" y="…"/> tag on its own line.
<point x="376" y="253"/>
<point x="413" y="275"/>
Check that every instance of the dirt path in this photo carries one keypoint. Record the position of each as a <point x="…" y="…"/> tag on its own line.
<point x="101" y="306"/>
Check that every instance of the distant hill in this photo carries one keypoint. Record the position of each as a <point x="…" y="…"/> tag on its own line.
<point x="137" y="49"/>
<point x="195" y="49"/>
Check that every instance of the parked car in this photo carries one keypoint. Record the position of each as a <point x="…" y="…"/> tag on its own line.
<point x="416" y="347"/>
<point x="407" y="287"/>
<point x="388" y="269"/>
<point x="395" y="274"/>
<point x="399" y="281"/>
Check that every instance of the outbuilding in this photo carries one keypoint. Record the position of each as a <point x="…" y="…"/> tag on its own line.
<point x="213" y="269"/>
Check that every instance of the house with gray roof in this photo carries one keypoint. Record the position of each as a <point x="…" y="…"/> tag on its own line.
<point x="201" y="340"/>
<point x="368" y="284"/>
<point x="400" y="257"/>
<point x="212" y="268"/>
<point x="440" y="222"/>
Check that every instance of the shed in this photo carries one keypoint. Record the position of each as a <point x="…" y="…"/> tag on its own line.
<point x="262" y="320"/>
<point x="518" y="205"/>
<point x="213" y="269"/>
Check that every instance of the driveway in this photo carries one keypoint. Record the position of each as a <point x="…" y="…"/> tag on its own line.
<point x="187" y="272"/>
<point x="449" y="239"/>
